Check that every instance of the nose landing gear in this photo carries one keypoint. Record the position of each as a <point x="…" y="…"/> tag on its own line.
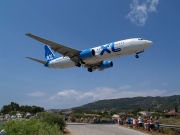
<point x="137" y="56"/>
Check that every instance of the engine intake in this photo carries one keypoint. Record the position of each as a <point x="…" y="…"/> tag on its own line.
<point x="89" y="53"/>
<point x="106" y="64"/>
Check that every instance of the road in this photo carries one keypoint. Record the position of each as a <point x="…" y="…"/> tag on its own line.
<point x="100" y="129"/>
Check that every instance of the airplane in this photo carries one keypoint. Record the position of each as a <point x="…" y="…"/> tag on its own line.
<point x="92" y="58"/>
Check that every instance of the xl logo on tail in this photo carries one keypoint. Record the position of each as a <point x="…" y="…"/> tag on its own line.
<point x="49" y="57"/>
<point x="48" y="53"/>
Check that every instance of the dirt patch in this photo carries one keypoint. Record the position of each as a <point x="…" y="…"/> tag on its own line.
<point x="66" y="132"/>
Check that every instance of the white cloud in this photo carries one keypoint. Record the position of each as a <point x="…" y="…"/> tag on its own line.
<point x="37" y="94"/>
<point x="140" y="10"/>
<point x="153" y="5"/>
<point x="65" y="94"/>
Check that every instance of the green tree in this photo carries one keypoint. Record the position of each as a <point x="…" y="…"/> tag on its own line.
<point x="31" y="109"/>
<point x="5" y="109"/>
<point x="11" y="107"/>
<point x="136" y="110"/>
<point x="175" y="108"/>
<point x="14" y="106"/>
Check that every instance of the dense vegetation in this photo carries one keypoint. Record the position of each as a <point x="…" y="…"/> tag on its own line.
<point x="29" y="127"/>
<point x="157" y="104"/>
<point x="14" y="107"/>
<point x="53" y="119"/>
<point x="46" y="124"/>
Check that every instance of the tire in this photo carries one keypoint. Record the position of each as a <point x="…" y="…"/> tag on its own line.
<point x="78" y="64"/>
<point x="90" y="69"/>
<point x="137" y="56"/>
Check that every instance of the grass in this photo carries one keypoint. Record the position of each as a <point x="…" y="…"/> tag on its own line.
<point x="171" y="121"/>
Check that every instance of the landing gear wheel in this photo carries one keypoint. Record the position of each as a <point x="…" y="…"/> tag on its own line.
<point x="78" y="64"/>
<point x="90" y="69"/>
<point x="137" y="56"/>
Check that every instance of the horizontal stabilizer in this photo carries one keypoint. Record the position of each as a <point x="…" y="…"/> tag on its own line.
<point x="40" y="61"/>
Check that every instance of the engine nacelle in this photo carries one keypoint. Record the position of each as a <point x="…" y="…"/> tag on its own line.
<point x="106" y="64"/>
<point x="89" y="53"/>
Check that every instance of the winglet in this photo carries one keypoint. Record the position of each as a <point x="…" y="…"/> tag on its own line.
<point x="27" y="34"/>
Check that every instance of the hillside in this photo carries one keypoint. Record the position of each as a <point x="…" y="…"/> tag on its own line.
<point x="128" y="104"/>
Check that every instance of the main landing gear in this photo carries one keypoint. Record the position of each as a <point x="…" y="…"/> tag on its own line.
<point x="90" y="69"/>
<point x="78" y="64"/>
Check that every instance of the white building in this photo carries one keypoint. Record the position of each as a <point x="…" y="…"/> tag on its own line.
<point x="18" y="115"/>
<point x="145" y="114"/>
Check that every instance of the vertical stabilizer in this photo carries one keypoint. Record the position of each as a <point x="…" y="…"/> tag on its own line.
<point x="48" y="54"/>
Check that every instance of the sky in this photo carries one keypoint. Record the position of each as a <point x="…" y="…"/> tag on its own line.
<point x="83" y="24"/>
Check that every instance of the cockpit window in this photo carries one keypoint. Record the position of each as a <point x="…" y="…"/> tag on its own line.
<point x="140" y="39"/>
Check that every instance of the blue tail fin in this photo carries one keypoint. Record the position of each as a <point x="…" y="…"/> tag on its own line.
<point x="48" y="54"/>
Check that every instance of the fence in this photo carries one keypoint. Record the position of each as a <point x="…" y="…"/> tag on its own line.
<point x="161" y="126"/>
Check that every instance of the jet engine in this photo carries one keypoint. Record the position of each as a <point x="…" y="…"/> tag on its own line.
<point x="85" y="54"/>
<point x="106" y="64"/>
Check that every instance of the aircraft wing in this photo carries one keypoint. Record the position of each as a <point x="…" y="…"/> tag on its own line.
<point x="73" y="54"/>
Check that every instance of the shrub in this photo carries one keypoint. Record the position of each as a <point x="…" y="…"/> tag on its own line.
<point x="156" y="114"/>
<point x="76" y="115"/>
<point x="53" y="119"/>
<point x="31" y="126"/>
<point x="105" y="115"/>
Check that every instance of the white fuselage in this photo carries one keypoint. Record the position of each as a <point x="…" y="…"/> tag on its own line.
<point x="107" y="51"/>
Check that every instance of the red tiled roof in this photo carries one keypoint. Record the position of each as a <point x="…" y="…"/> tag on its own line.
<point x="172" y="113"/>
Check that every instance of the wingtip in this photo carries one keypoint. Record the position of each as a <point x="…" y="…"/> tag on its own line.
<point x="28" y="57"/>
<point x="27" y="34"/>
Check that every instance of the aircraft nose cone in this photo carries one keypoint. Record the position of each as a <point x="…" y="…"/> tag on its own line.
<point x="149" y="43"/>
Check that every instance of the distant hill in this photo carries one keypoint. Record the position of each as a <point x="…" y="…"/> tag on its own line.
<point x="128" y="104"/>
